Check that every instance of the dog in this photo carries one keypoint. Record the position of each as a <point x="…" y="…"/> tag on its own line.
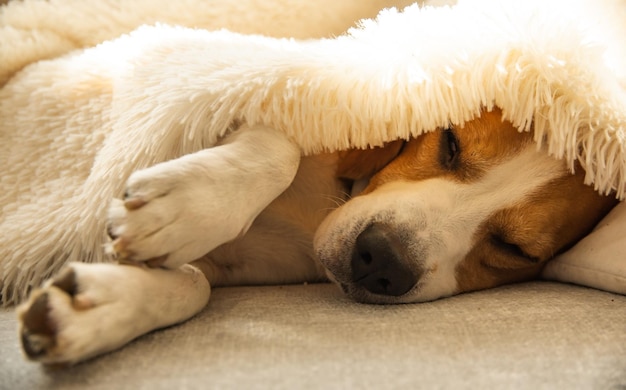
<point x="454" y="210"/>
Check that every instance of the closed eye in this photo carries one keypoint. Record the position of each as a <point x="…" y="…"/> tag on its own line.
<point x="512" y="249"/>
<point x="449" y="150"/>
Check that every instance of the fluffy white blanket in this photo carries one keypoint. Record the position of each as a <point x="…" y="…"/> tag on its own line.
<point x="81" y="109"/>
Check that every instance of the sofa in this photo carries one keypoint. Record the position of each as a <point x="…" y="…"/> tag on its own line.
<point x="539" y="335"/>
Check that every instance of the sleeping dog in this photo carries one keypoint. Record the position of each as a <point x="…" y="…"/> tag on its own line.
<point x="454" y="210"/>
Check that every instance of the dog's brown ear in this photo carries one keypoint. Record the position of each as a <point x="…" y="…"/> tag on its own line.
<point x="356" y="164"/>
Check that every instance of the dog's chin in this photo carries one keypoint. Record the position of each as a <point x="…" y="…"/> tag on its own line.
<point x="361" y="295"/>
<point x="419" y="293"/>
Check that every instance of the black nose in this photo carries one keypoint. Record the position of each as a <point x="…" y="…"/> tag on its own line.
<point x="379" y="263"/>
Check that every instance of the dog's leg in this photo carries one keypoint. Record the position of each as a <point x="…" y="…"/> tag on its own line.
<point x="90" y="309"/>
<point x="178" y="211"/>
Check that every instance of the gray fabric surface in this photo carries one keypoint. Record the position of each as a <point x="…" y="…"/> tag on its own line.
<point x="536" y="335"/>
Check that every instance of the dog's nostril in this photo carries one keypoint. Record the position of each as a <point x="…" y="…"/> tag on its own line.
<point x="379" y="263"/>
<point x="366" y="257"/>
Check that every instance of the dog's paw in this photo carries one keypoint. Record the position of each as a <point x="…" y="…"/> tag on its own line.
<point x="76" y="315"/>
<point x="170" y="215"/>
<point x="90" y="309"/>
<point x="179" y="210"/>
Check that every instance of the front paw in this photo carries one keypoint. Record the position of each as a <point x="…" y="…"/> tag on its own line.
<point x="90" y="309"/>
<point x="178" y="211"/>
<point x="172" y="213"/>
<point x="66" y="320"/>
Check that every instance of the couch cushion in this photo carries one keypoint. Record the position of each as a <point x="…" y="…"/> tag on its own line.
<point x="310" y="336"/>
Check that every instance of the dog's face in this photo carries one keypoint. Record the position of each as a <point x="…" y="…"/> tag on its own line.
<point x="454" y="210"/>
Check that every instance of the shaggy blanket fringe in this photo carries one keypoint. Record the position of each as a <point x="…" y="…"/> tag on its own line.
<point x="80" y="110"/>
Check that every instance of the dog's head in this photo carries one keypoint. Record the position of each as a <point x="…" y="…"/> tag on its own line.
<point x="455" y="210"/>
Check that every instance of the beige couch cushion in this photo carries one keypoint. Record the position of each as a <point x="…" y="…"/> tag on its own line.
<point x="536" y="335"/>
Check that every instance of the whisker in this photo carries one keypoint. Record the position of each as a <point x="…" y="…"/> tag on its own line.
<point x="337" y="200"/>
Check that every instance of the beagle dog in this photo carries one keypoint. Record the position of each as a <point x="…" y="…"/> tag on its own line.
<point x="451" y="211"/>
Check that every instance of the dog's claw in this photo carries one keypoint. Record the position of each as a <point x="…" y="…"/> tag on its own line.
<point x="110" y="232"/>
<point x="134" y="203"/>
<point x="119" y="248"/>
